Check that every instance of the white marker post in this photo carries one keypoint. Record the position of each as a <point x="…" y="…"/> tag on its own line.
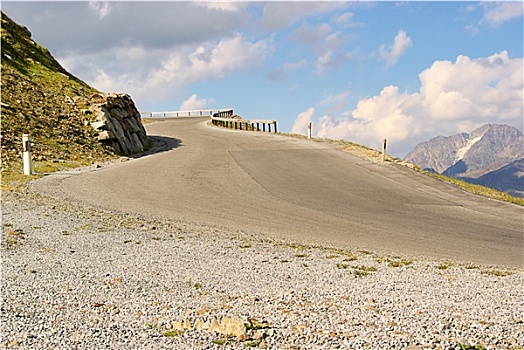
<point x="309" y="131"/>
<point x="384" y="141"/>
<point x="26" y="143"/>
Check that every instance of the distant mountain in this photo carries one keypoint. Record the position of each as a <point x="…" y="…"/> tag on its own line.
<point x="509" y="178"/>
<point x="491" y="155"/>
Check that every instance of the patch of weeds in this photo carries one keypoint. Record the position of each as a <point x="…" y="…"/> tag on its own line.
<point x="399" y="262"/>
<point x="66" y="233"/>
<point x="284" y="261"/>
<point x="244" y="246"/>
<point x="471" y="267"/>
<point x="251" y="344"/>
<point x="359" y="273"/>
<point x="365" y="268"/>
<point x="14" y="238"/>
<point x="155" y="238"/>
<point x="332" y="256"/>
<point x="220" y="341"/>
<point x="300" y="255"/>
<point x="37" y="227"/>
<point x="195" y="285"/>
<point x="128" y="241"/>
<point x="498" y="273"/>
<point x="442" y="267"/>
<point x="298" y="246"/>
<point x="173" y="333"/>
<point x="362" y="270"/>
<point x="471" y="347"/>
<point x="350" y="258"/>
<point x="364" y="252"/>
<point x="8" y="225"/>
<point x="342" y="266"/>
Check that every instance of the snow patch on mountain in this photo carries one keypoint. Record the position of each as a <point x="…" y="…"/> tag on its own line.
<point x="462" y="151"/>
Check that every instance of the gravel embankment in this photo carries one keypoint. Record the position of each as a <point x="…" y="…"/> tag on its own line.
<point x="76" y="277"/>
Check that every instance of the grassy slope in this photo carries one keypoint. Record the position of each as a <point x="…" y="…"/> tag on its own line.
<point x="41" y="98"/>
<point x="375" y="156"/>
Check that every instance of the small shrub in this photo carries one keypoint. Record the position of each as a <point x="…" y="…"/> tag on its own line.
<point x="498" y="273"/>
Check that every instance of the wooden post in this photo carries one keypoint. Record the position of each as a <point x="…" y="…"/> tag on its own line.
<point x="384" y="141"/>
<point x="309" y="131"/>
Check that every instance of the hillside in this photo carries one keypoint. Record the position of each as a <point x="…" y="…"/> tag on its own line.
<point x="41" y="98"/>
<point x="480" y="157"/>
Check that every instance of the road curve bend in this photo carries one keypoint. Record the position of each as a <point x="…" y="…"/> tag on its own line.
<point x="304" y="191"/>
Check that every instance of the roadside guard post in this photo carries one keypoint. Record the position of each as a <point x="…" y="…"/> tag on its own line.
<point x="26" y="143"/>
<point x="384" y="141"/>
<point x="309" y="131"/>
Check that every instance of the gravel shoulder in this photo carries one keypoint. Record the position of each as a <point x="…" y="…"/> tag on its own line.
<point x="78" y="277"/>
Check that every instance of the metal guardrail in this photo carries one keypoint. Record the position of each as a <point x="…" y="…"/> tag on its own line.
<point x="186" y="113"/>
<point x="220" y="117"/>
<point x="225" y="119"/>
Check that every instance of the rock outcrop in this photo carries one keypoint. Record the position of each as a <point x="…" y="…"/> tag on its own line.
<point x="118" y="123"/>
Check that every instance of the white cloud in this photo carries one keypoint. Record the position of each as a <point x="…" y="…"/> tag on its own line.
<point x="309" y="34"/>
<point x="193" y="103"/>
<point x="325" y="43"/>
<point x="153" y="74"/>
<point x="301" y="122"/>
<point x="331" y="60"/>
<point x="401" y="44"/>
<point x="344" y="20"/>
<point x="294" y="65"/>
<point x="103" y="8"/>
<point x="496" y="13"/>
<point x="234" y="6"/>
<point x="279" y="15"/>
<point x="453" y="97"/>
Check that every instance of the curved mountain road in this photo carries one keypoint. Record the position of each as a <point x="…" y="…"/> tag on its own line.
<point x="304" y="191"/>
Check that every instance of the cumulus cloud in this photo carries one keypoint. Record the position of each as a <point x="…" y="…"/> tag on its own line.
<point x="193" y="103"/>
<point x="345" y="20"/>
<point x="301" y="122"/>
<point x="94" y="27"/>
<point x="308" y="34"/>
<point x="496" y="13"/>
<point x="279" y="15"/>
<point x="453" y="97"/>
<point x="326" y="43"/>
<point x="152" y="74"/>
<point x="391" y="54"/>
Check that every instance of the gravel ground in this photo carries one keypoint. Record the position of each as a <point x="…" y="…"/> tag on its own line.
<point x="78" y="277"/>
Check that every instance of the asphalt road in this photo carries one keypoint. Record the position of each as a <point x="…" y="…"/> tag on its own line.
<point x="303" y="191"/>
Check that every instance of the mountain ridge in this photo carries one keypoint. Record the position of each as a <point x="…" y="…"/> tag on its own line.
<point x="475" y="157"/>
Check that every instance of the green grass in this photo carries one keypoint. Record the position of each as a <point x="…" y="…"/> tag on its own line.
<point x="478" y="189"/>
<point x="362" y="270"/>
<point x="172" y="333"/>
<point x="498" y="273"/>
<point x="442" y="267"/>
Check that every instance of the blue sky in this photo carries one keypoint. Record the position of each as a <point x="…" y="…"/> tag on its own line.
<point x="360" y="71"/>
